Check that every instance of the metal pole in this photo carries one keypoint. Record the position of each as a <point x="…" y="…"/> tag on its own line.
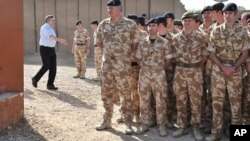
<point x="36" y="45"/>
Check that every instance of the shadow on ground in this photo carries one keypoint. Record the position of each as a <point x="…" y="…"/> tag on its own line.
<point x="65" y="97"/>
<point x="22" y="131"/>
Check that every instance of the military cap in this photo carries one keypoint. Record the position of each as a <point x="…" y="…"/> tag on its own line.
<point x="161" y="19"/>
<point x="206" y="8"/>
<point x="114" y="3"/>
<point x="78" y="22"/>
<point x="133" y="17"/>
<point x="141" y="20"/>
<point x="217" y="7"/>
<point x="187" y="15"/>
<point x="94" y="22"/>
<point x="230" y="7"/>
<point x="177" y="22"/>
<point x="152" y="20"/>
<point x="169" y="15"/>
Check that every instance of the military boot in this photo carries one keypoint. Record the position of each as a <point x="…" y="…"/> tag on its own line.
<point x="213" y="137"/>
<point x="179" y="132"/>
<point x="77" y="75"/>
<point x="106" y="124"/>
<point x="197" y="134"/>
<point x="82" y="76"/>
<point x="143" y="128"/>
<point x="128" y="129"/>
<point x="162" y="130"/>
<point x="170" y="124"/>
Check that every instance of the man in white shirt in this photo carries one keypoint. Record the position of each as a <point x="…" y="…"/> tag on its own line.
<point x="47" y="44"/>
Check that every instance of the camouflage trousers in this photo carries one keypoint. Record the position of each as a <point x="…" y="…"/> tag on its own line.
<point x="152" y="81"/>
<point x="98" y="60"/>
<point x="220" y="84"/>
<point x="80" y="55"/>
<point x="115" y="80"/>
<point x="134" y="76"/>
<point x="206" y="102"/>
<point x="171" y="101"/>
<point x="188" y="85"/>
<point x="246" y="95"/>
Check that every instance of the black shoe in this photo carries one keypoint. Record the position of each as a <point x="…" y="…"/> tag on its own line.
<point x="34" y="82"/>
<point x="52" y="87"/>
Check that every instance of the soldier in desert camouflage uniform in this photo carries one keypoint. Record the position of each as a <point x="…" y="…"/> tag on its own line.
<point x="245" y="18"/>
<point x="118" y="37"/>
<point x="190" y="52"/>
<point x="152" y="54"/>
<point x="171" y="30"/>
<point x="80" y="49"/>
<point x="135" y="73"/>
<point x="228" y="50"/>
<point x="98" y="51"/>
<point x="206" y="114"/>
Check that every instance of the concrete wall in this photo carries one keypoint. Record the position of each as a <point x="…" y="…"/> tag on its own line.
<point x="11" y="46"/>
<point x="11" y="61"/>
<point x="68" y="11"/>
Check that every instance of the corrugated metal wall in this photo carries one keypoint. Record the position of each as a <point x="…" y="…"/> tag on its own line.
<point x="68" y="11"/>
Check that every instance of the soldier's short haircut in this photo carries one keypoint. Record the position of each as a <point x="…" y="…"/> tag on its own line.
<point x="95" y="22"/>
<point x="48" y="17"/>
<point x="246" y="15"/>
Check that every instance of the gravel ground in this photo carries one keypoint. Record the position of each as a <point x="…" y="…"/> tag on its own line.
<point x="72" y="112"/>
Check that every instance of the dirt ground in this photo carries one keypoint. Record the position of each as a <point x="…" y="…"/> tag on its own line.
<point x="72" y="112"/>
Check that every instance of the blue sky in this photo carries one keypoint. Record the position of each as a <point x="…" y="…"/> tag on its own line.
<point x="199" y="4"/>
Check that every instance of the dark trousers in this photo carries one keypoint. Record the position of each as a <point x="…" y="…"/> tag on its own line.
<point x="48" y="56"/>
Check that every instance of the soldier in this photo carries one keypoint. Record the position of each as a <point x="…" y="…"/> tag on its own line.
<point x="152" y="54"/>
<point x="170" y="23"/>
<point x="80" y="49"/>
<point x="198" y="22"/>
<point x="207" y="19"/>
<point x="245" y="19"/>
<point x="170" y="31"/>
<point x="98" y="51"/>
<point x="167" y="35"/>
<point x="190" y="52"/>
<point x="228" y="50"/>
<point x="178" y="24"/>
<point x="117" y="36"/>
<point x="135" y="70"/>
<point x="217" y="16"/>
<point x="247" y="101"/>
<point x="206" y="101"/>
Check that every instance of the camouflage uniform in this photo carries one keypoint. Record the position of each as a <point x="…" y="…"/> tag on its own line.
<point x="206" y="101"/>
<point x="171" y="102"/>
<point x="80" y="50"/>
<point x="152" y="77"/>
<point x="227" y="44"/>
<point x="98" y="56"/>
<point x="246" y="88"/>
<point x="134" y="80"/>
<point x="116" y="40"/>
<point x="188" y="76"/>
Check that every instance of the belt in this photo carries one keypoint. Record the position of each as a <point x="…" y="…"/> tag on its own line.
<point x="189" y="65"/>
<point x="156" y="68"/>
<point x="80" y="44"/>
<point x="134" y="64"/>
<point x="229" y="63"/>
<point x="95" y="45"/>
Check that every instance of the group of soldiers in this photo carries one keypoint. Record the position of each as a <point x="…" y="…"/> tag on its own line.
<point x="191" y="76"/>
